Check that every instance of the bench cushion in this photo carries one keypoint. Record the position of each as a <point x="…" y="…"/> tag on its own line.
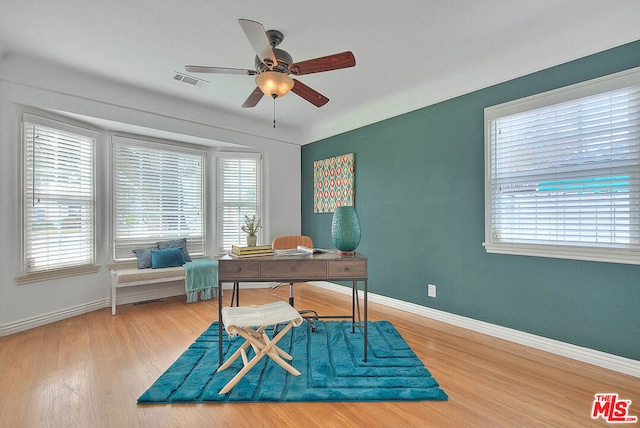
<point x="133" y="274"/>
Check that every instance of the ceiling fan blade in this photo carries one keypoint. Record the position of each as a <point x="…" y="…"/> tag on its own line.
<point x="259" y="40"/>
<point x="325" y="63"/>
<point x="253" y="99"/>
<point x="315" y="98"/>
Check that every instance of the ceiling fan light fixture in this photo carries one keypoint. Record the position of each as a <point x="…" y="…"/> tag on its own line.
<point x="274" y="83"/>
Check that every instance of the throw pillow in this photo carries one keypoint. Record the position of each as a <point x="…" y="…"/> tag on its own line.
<point x="175" y="243"/>
<point x="143" y="255"/>
<point x="168" y="257"/>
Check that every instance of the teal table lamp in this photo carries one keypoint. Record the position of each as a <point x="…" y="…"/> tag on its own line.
<point x="345" y="230"/>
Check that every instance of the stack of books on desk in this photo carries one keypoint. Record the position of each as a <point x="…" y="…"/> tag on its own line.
<point x="255" y="251"/>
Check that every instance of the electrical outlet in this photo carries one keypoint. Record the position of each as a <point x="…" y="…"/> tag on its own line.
<point x="431" y="290"/>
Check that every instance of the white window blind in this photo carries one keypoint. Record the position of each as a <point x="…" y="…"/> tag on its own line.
<point x="239" y="193"/>
<point x="158" y="194"/>
<point x="565" y="177"/>
<point x="59" y="199"/>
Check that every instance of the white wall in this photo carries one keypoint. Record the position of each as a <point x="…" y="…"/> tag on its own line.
<point x="32" y="84"/>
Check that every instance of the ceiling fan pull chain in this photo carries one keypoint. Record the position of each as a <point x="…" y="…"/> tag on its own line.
<point x="274" y="110"/>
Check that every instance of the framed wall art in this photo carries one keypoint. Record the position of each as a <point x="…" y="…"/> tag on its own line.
<point x="333" y="183"/>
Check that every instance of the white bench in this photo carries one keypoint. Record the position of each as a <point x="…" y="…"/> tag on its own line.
<point x="132" y="277"/>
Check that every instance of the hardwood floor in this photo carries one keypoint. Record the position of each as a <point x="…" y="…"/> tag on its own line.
<point x="89" y="370"/>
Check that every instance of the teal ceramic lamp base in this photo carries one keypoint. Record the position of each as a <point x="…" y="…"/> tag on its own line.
<point x="345" y="230"/>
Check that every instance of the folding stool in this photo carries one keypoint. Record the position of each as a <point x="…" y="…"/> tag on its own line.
<point x="250" y="322"/>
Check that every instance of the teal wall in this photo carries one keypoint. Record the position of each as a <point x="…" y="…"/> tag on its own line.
<point x="420" y="198"/>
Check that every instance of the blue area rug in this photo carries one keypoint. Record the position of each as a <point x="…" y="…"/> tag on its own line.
<point x="330" y="360"/>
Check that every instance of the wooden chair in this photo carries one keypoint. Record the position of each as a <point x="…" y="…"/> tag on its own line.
<point x="290" y="242"/>
<point x="250" y="322"/>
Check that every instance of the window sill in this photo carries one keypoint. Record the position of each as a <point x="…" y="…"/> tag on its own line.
<point x="28" y="278"/>
<point x="610" y="255"/>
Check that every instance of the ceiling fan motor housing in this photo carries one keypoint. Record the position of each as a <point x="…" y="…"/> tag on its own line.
<point x="283" y="57"/>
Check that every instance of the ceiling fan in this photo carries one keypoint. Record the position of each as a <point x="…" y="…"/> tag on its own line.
<point x="274" y="67"/>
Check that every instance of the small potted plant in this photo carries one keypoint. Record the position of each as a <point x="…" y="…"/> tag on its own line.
<point x="250" y="227"/>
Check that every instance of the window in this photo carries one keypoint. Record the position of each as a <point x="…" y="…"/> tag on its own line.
<point x="239" y="194"/>
<point x="563" y="172"/>
<point x="158" y="194"/>
<point x="59" y="196"/>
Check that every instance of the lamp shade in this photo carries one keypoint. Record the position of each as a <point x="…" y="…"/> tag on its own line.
<point x="345" y="229"/>
<point x="274" y="83"/>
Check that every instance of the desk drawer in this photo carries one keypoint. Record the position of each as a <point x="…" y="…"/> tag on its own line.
<point x="294" y="269"/>
<point x="348" y="269"/>
<point x="230" y="270"/>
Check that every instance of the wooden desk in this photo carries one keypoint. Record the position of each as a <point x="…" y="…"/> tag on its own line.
<point x="317" y="267"/>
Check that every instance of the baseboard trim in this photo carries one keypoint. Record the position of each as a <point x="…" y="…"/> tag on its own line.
<point x="50" y="317"/>
<point x="131" y="295"/>
<point x="579" y="353"/>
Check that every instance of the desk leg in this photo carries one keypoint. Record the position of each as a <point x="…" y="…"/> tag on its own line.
<point x="235" y="295"/>
<point x="220" y="326"/>
<point x="354" y="299"/>
<point x="366" y="323"/>
<point x="357" y="303"/>
<point x="355" y="306"/>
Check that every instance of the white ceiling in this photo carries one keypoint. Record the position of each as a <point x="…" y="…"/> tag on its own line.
<point x="409" y="53"/>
